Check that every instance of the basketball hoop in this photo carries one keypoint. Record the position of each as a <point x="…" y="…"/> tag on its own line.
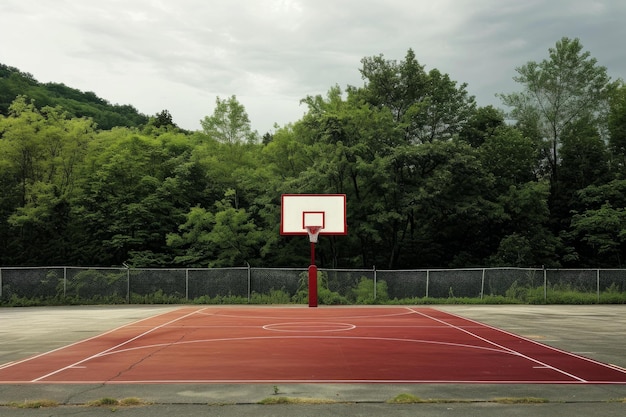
<point x="309" y="214"/>
<point x="314" y="232"/>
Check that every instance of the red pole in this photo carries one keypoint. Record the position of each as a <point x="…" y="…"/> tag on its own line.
<point x="312" y="279"/>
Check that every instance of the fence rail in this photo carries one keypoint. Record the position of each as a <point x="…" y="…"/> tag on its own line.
<point x="128" y="285"/>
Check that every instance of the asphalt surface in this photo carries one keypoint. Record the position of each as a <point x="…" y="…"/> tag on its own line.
<point x="597" y="332"/>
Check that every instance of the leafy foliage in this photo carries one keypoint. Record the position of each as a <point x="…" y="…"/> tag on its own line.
<point x="431" y="180"/>
<point x="105" y="115"/>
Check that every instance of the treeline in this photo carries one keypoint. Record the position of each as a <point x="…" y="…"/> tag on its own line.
<point x="75" y="103"/>
<point x="431" y="179"/>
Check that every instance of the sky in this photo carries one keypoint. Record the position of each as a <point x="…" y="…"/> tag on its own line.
<point x="180" y="55"/>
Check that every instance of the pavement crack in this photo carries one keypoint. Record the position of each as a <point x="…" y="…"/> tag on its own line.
<point x="148" y="356"/>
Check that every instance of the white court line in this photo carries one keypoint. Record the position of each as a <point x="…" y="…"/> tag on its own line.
<point x="325" y="381"/>
<point x="115" y="347"/>
<point x="30" y="358"/>
<point x="543" y="364"/>
<point x="564" y="352"/>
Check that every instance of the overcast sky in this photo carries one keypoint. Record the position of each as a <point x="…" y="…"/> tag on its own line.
<point x="180" y="55"/>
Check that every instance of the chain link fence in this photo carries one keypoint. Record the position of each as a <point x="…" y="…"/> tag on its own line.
<point x="68" y="284"/>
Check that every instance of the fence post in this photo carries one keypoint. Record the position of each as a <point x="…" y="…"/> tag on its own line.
<point x="249" y="281"/>
<point x="482" y="285"/>
<point x="427" y="281"/>
<point x="64" y="281"/>
<point x="187" y="284"/>
<point x="598" y="285"/>
<point x="545" y="284"/>
<point x="374" y="268"/>
<point x="0" y="284"/>
<point x="127" y="283"/>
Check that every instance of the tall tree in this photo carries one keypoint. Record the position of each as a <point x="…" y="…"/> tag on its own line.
<point x="482" y="124"/>
<point x="559" y="91"/>
<point x="229" y="123"/>
<point x="617" y="130"/>
<point x="40" y="151"/>
<point x="426" y="106"/>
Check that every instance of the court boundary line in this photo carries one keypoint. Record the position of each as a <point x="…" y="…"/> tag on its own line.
<point x="155" y="328"/>
<point x="316" y="381"/>
<point x="410" y="311"/>
<point x="78" y="342"/>
<point x="555" y="349"/>
<point x="501" y="346"/>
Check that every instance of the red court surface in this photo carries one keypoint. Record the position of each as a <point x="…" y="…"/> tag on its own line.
<point x="296" y="345"/>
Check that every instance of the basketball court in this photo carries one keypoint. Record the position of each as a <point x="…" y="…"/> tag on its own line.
<point x="278" y="345"/>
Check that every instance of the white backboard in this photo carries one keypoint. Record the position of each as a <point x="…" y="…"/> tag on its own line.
<point x="301" y="210"/>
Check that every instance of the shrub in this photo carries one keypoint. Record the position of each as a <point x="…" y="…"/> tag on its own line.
<point x="324" y="294"/>
<point x="364" y="292"/>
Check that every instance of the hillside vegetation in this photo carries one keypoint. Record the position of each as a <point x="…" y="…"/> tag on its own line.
<point x="75" y="103"/>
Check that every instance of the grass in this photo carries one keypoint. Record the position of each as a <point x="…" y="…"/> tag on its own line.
<point x="102" y="402"/>
<point x="288" y="400"/>
<point x="34" y="404"/>
<point x="521" y="400"/>
<point x="406" y="398"/>
<point x="112" y="402"/>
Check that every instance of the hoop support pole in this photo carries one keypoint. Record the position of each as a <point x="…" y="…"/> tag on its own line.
<point x="312" y="279"/>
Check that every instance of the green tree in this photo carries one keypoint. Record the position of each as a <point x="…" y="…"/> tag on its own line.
<point x="525" y="235"/>
<point x="229" y="123"/>
<point x="597" y="233"/>
<point x="558" y="92"/>
<point x="510" y="157"/>
<point x="448" y="206"/>
<point x="132" y="197"/>
<point x="225" y="237"/>
<point x="482" y="124"/>
<point x="426" y="106"/>
<point x="584" y="156"/>
<point x="347" y="150"/>
<point x="617" y="130"/>
<point x="603" y="231"/>
<point x="40" y="151"/>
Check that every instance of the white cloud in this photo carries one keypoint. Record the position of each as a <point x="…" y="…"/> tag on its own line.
<point x="180" y="55"/>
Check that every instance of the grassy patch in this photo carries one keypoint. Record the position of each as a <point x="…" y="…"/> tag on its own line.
<point x="412" y="399"/>
<point x="405" y="399"/>
<point x="34" y="404"/>
<point x="523" y="400"/>
<point x="132" y="402"/>
<point x="108" y="402"/>
<point x="287" y="400"/>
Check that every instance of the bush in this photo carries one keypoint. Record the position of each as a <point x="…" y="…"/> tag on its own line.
<point x="274" y="297"/>
<point x="324" y="294"/>
<point x="364" y="292"/>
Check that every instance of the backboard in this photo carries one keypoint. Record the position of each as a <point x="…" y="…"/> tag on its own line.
<point x="299" y="211"/>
